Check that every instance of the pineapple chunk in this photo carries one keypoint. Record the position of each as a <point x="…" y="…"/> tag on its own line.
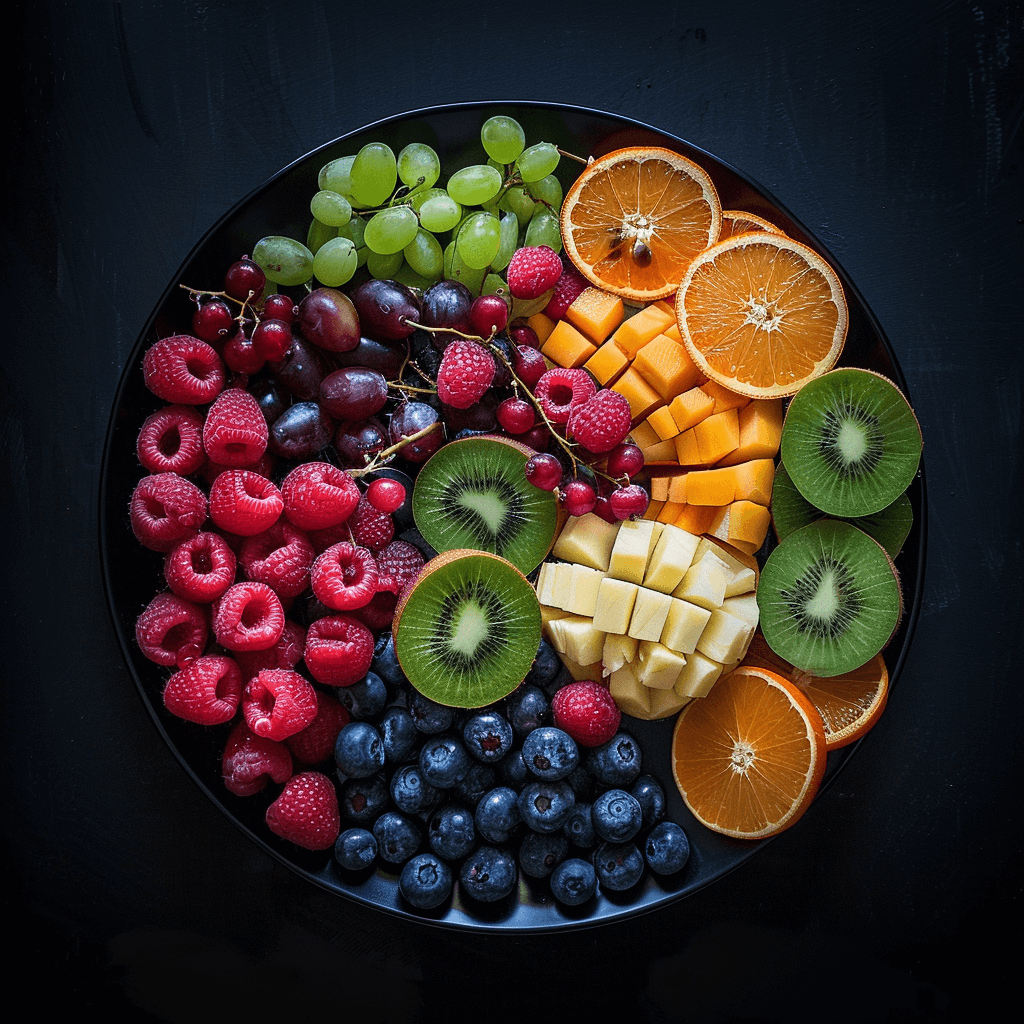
<point x="650" y="610"/>
<point x="683" y="625"/>
<point x="659" y="666"/>
<point x="583" y="586"/>
<point x="632" y="550"/>
<point x="671" y="557"/>
<point x="744" y="578"/>
<point x="581" y="642"/>
<point x="632" y="697"/>
<point x="698" y="676"/>
<point x="743" y="606"/>
<point x="586" y="539"/>
<point x="561" y="587"/>
<point x="665" y="703"/>
<point x="619" y="650"/>
<point x="580" y="672"/>
<point x="615" y="600"/>
<point x="725" y="638"/>
<point x="545" y="581"/>
<point x="705" y="582"/>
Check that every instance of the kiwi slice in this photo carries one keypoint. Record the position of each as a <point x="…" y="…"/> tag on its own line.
<point x="473" y="493"/>
<point x="850" y="442"/>
<point x="467" y="631"/>
<point x="791" y="510"/>
<point x="829" y="598"/>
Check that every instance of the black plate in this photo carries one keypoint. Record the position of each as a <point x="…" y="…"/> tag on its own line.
<point x="133" y="575"/>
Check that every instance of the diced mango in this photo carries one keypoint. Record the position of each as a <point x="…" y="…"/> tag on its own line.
<point x="743" y="524"/>
<point x="717" y="435"/>
<point x="687" y="449"/>
<point x="753" y="480"/>
<point x="673" y="333"/>
<point x="660" y="454"/>
<point x="644" y="435"/>
<point x="567" y="346"/>
<point x="695" y="518"/>
<point x="659" y="488"/>
<point x="663" y="423"/>
<point x="689" y="408"/>
<point x="596" y="313"/>
<point x="542" y="325"/>
<point x="642" y="327"/>
<point x="666" y="305"/>
<point x="723" y="397"/>
<point x="642" y="398"/>
<point x="653" y="509"/>
<point x="667" y="367"/>
<point x="760" y="425"/>
<point x="607" y="363"/>
<point x="711" y="486"/>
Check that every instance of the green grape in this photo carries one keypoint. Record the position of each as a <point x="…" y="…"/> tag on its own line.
<point x="456" y="270"/>
<point x="537" y="162"/>
<point x="543" y="229"/>
<point x="478" y="239"/>
<point x="503" y="138"/>
<point x="509" y="232"/>
<point x="354" y="229"/>
<point x="383" y="266"/>
<point x="518" y="201"/>
<point x="547" y="190"/>
<point x="439" y="212"/>
<point x="330" y="208"/>
<point x="407" y="276"/>
<point x="391" y="230"/>
<point x="335" y="262"/>
<point x="318" y="234"/>
<point x="284" y="260"/>
<point x="474" y="184"/>
<point x="424" y="255"/>
<point x="336" y="176"/>
<point x="374" y="174"/>
<point x="495" y="284"/>
<point x="418" y="166"/>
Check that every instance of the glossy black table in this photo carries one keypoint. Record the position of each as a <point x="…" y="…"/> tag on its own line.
<point x="892" y="131"/>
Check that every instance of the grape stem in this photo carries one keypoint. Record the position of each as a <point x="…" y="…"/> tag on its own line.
<point x="387" y="454"/>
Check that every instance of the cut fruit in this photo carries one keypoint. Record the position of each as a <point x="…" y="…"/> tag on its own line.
<point x="735" y="222"/>
<point x="635" y="218"/>
<point x="829" y="598"/>
<point x="749" y="757"/>
<point x="762" y="314"/>
<point x="473" y="493"/>
<point x="851" y="442"/>
<point x="467" y="631"/>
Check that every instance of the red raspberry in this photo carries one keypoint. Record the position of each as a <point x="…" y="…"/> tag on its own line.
<point x="318" y="495"/>
<point x="306" y="813"/>
<point x="369" y="527"/>
<point x="380" y="612"/>
<point x="281" y="557"/>
<point x="315" y="743"/>
<point x="286" y="653"/>
<point x="587" y="711"/>
<point x="339" y="649"/>
<point x="264" y="465"/>
<point x="567" y="290"/>
<point x="171" y="441"/>
<point x="602" y="422"/>
<point x="235" y="432"/>
<point x="397" y="565"/>
<point x="344" y="577"/>
<point x="184" y="370"/>
<point x="249" y="762"/>
<point x="248" y="617"/>
<point x="558" y="390"/>
<point x="171" y="630"/>
<point x="466" y="372"/>
<point x="200" y="568"/>
<point x="206" y="691"/>
<point x="165" y="509"/>
<point x="278" y="703"/>
<point x="244" y="503"/>
<point x="532" y="271"/>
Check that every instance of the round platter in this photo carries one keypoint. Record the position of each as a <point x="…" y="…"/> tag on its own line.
<point x="133" y="575"/>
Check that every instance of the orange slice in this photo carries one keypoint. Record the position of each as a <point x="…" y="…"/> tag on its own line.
<point x="735" y="222"/>
<point x="849" y="704"/>
<point x="749" y="757"/>
<point x="762" y="314"/>
<point x="633" y="220"/>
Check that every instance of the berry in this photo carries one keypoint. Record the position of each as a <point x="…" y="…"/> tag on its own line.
<point x="626" y="459"/>
<point x="397" y="837"/>
<point x="587" y="711"/>
<point x="443" y="761"/>
<point x="488" y="315"/>
<point x="369" y="527"/>
<point x="386" y="495"/>
<point x="488" y="874"/>
<point x="206" y="691"/>
<point x="398" y="734"/>
<point x="529" y="365"/>
<point x="271" y="340"/>
<point x="450" y="833"/>
<point x="171" y="630"/>
<point x="629" y="502"/>
<point x="398" y="565"/>
<point x="579" y="826"/>
<point x="559" y="390"/>
<point x="240" y="355"/>
<point x="212" y="321"/>
<point x="338" y="650"/>
<point x="543" y="471"/>
<point x="429" y="717"/>
<point x="411" y="792"/>
<point x="546" y="667"/>
<point x="466" y="372"/>
<point x="528" y="708"/>
<point x="200" y="568"/>
<point x="619" y="866"/>
<point x="165" y="509"/>
<point x="245" y="280"/>
<point x="281" y="557"/>
<point x="540" y="853"/>
<point x="487" y="736"/>
<point x="344" y="577"/>
<point x="355" y="849"/>
<point x="249" y="762"/>
<point x="316" y="742"/>
<point x="183" y="369"/>
<point x="616" y="763"/>
<point x="171" y="441"/>
<point x="550" y="753"/>
<point x="651" y="796"/>
<point x="365" y="698"/>
<point x="286" y="653"/>
<point x="516" y="415"/>
<point x="235" y="432"/>
<point x="578" y="497"/>
<point x="244" y="503"/>
<point x="546" y="805"/>
<point x="306" y="812"/>
<point x="426" y="881"/>
<point x="573" y="882"/>
<point x="523" y="334"/>
<point x="602" y="422"/>
<point x="380" y="612"/>
<point x="318" y="495"/>
<point x="568" y="288"/>
<point x="363" y="800"/>
<point x="358" y="750"/>
<point x="279" y="307"/>
<point x="497" y="815"/>
<point x="617" y="816"/>
<point x="248" y="617"/>
<point x="278" y="703"/>
<point x="532" y="271"/>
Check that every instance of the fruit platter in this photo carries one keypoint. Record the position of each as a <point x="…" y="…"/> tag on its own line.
<point x="512" y="517"/>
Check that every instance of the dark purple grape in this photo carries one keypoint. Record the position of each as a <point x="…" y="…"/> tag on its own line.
<point x="269" y="398"/>
<point x="353" y="393"/>
<point x="383" y="356"/>
<point x="480" y="416"/>
<point x="329" y="320"/>
<point x="388" y="311"/>
<point x="357" y="443"/>
<point x="410" y="418"/>
<point x="301" y="370"/>
<point x="446" y="304"/>
<point x="301" y="431"/>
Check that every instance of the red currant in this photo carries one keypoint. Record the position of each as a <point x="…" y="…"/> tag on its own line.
<point x="625" y="460"/>
<point x="279" y="307"/>
<point x="272" y="339"/>
<point x="523" y="334"/>
<point x="245" y="280"/>
<point x="516" y="415"/>
<point x="212" y="321"/>
<point x="578" y="497"/>
<point x="629" y="502"/>
<point x="543" y="471"/>
<point x="488" y="315"/>
<point x="529" y="365"/>
<point x="386" y="495"/>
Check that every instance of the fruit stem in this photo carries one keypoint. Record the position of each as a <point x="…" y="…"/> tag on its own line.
<point x="385" y="455"/>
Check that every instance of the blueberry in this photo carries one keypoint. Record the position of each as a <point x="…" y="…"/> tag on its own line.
<point x="527" y="708"/>
<point x="573" y="882"/>
<point x="512" y="769"/>
<point x="358" y="750"/>
<point x="488" y="736"/>
<point x="617" y="762"/>
<point x="488" y="874"/>
<point x="355" y="849"/>
<point x="412" y="793"/>
<point x="451" y="833"/>
<point x="385" y="661"/>
<point x="397" y="837"/>
<point x="618" y="866"/>
<point x="478" y="780"/>
<point x="443" y="761"/>
<point x="546" y="666"/>
<point x="366" y="698"/>
<point x="426" y="881"/>
<point x="652" y="800"/>
<point x="545" y="806"/>
<point x="430" y="718"/>
<point x="616" y="815"/>
<point x="540" y="853"/>
<point x="399" y="735"/>
<point x="579" y="826"/>
<point x="497" y="815"/>
<point x="550" y="753"/>
<point x="582" y="781"/>
<point x="667" y="849"/>
<point x="363" y="800"/>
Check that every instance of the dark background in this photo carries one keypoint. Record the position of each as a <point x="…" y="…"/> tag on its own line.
<point x="892" y="130"/>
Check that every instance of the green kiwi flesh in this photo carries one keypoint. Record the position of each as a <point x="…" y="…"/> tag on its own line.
<point x="473" y="493"/>
<point x="467" y="631"/>
<point x="829" y="598"/>
<point x="850" y="442"/>
<point x="791" y="510"/>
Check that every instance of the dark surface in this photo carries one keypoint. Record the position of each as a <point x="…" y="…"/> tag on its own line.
<point x="893" y="131"/>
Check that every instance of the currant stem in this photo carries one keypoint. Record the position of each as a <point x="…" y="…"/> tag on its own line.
<point x="384" y="456"/>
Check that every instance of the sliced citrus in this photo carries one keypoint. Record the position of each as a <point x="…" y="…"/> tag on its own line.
<point x="735" y="222"/>
<point x="849" y="704"/>
<point x="748" y="758"/>
<point x="762" y="314"/>
<point x="633" y="220"/>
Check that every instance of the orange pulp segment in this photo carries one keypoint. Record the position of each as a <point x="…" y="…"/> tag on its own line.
<point x="735" y="222"/>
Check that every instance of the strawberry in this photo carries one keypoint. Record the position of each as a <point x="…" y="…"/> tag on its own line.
<point x="466" y="372"/>
<point x="587" y="711"/>
<point x="533" y="270"/>
<point x="306" y="812"/>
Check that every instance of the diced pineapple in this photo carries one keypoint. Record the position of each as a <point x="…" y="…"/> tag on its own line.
<point x="705" y="582"/>
<point x="586" y="539"/>
<point x="580" y="672"/>
<point x="683" y="625"/>
<point x="629" y="694"/>
<point x="743" y="606"/>
<point x="583" y="587"/>
<point x="581" y="642"/>
<point x="666" y="702"/>
<point x="631" y="551"/>
<point x="561" y="587"/>
<point x="649" y="613"/>
<point x="659" y="666"/>
<point x="725" y="638"/>
<point x="672" y="556"/>
<point x="619" y="650"/>
<point x="698" y="676"/>
<point x="615" y="600"/>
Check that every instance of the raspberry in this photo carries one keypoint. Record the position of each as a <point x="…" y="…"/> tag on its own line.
<point x="278" y="703"/>
<point x="380" y="612"/>
<point x="532" y="271"/>
<point x="318" y="495"/>
<point x="171" y="441"/>
<point x="244" y="503"/>
<point x="315" y="743"/>
<point x="567" y="290"/>
<point x="339" y="649"/>
<point x="306" y="813"/>
<point x="587" y="711"/>
<point x="466" y="372"/>
<point x="286" y="653"/>
<point x="344" y="577"/>
<point x="166" y="508"/>
<point x="183" y="369"/>
<point x="281" y="557"/>
<point x="248" y="617"/>
<point x="200" y="568"/>
<point x="249" y="762"/>
<point x="558" y="390"/>
<point x="264" y="465"/>
<point x="171" y="630"/>
<point x="602" y="422"/>
<point x="206" y="691"/>
<point x="397" y="565"/>
<point x="369" y="527"/>
<point x="235" y="432"/>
